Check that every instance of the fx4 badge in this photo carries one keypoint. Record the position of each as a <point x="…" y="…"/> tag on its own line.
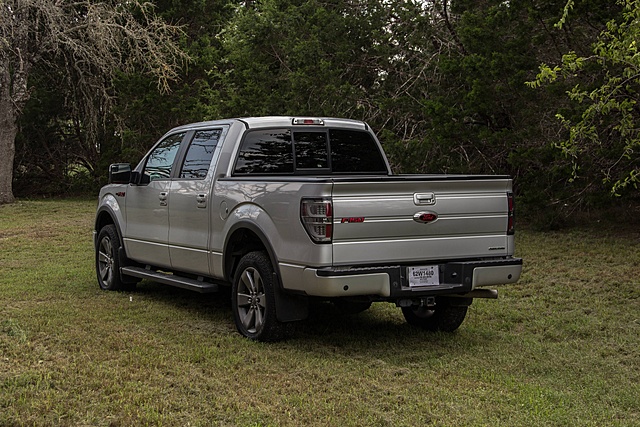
<point x="352" y="219"/>
<point x="425" y="217"/>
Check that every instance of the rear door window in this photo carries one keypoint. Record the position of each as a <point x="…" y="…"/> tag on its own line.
<point x="199" y="154"/>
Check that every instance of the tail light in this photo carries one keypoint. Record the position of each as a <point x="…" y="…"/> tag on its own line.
<point x="317" y="218"/>
<point x="511" y="226"/>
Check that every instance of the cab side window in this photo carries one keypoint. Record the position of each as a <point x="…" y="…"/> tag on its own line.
<point x="160" y="160"/>
<point x="198" y="158"/>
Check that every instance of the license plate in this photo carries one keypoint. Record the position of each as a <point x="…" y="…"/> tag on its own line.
<point x="423" y="276"/>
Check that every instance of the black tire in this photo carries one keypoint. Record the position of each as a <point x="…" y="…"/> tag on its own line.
<point x="107" y="261"/>
<point x="443" y="317"/>
<point x="349" y="306"/>
<point x="253" y="299"/>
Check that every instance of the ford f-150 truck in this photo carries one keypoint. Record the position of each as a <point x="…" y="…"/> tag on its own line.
<point x="285" y="210"/>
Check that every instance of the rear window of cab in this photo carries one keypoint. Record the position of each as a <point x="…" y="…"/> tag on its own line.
<point x="309" y="151"/>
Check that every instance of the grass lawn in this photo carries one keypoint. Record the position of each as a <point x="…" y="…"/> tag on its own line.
<point x="562" y="347"/>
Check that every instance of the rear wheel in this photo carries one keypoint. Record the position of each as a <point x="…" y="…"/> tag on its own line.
<point x="442" y="317"/>
<point x="253" y="299"/>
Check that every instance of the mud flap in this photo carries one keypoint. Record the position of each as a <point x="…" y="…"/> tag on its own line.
<point x="289" y="307"/>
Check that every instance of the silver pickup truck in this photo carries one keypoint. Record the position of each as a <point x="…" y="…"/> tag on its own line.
<point x="287" y="209"/>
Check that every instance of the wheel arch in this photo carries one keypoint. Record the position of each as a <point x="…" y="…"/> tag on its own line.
<point x="110" y="212"/>
<point x="242" y="238"/>
<point x="105" y="216"/>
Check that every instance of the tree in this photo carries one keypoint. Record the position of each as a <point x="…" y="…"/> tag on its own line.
<point x="146" y="113"/>
<point x="86" y="43"/>
<point x="374" y="60"/>
<point x="604" y="141"/>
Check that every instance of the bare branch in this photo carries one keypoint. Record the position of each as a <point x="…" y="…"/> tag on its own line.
<point x="90" y="43"/>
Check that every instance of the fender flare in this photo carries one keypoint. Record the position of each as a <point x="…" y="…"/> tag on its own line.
<point x="106" y="210"/>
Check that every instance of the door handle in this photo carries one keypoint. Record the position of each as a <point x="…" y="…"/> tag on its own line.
<point x="202" y="200"/>
<point x="163" y="198"/>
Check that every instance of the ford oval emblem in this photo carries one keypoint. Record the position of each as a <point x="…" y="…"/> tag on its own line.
<point x="425" y="217"/>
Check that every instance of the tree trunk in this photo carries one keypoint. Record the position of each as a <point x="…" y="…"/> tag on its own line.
<point x="8" y="132"/>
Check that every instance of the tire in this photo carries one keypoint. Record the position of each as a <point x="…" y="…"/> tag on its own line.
<point x="443" y="317"/>
<point x="347" y="306"/>
<point x="253" y="300"/>
<point x="108" y="262"/>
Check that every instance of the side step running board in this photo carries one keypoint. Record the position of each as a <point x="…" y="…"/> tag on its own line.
<point x="170" y="279"/>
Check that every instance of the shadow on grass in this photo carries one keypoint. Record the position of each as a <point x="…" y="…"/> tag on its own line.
<point x="378" y="333"/>
<point x="216" y="302"/>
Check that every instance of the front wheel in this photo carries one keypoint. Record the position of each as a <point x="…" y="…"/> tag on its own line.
<point x="442" y="317"/>
<point x="107" y="261"/>
<point x="253" y="299"/>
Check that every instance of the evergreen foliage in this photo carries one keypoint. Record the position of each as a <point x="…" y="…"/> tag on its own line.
<point x="443" y="83"/>
<point x="603" y="142"/>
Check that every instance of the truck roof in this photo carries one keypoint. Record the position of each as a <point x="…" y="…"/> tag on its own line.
<point x="279" y="121"/>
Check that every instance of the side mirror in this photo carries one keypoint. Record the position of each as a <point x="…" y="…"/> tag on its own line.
<point x="119" y="173"/>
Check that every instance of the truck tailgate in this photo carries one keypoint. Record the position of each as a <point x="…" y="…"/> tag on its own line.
<point x="417" y="218"/>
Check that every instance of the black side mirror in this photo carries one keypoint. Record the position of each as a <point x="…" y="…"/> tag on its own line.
<point x="119" y="173"/>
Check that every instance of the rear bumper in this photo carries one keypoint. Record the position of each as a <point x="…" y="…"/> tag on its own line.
<point x="391" y="281"/>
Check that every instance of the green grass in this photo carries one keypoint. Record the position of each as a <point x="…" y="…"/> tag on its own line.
<point x="561" y="348"/>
